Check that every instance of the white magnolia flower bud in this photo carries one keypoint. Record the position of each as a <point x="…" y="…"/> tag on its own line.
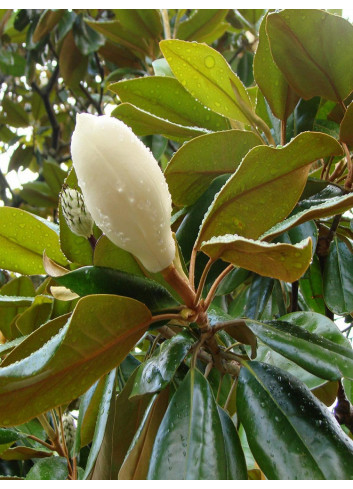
<point x="124" y="189"/>
<point x="76" y="215"/>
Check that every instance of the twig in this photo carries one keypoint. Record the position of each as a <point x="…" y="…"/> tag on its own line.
<point x="166" y="25"/>
<point x="283" y="132"/>
<point x="192" y="268"/>
<point x="45" y="94"/>
<point x="44" y="443"/>
<point x="349" y="181"/>
<point x="95" y="104"/>
<point x="231" y="390"/>
<point x="203" y="279"/>
<point x="215" y="285"/>
<point x="294" y="298"/>
<point x="101" y="90"/>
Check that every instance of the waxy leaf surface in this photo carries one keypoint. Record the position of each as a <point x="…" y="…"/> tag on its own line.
<point x="252" y="199"/>
<point x="346" y="127"/>
<point x="23" y="239"/>
<point x="317" y="64"/>
<point x="277" y="260"/>
<point x="156" y="373"/>
<point x="194" y="166"/>
<point x="166" y="98"/>
<point x="99" y="335"/>
<point x="189" y="443"/>
<point x="143" y="124"/>
<point x="101" y="280"/>
<point x="207" y="76"/>
<point x="279" y="95"/>
<point x="291" y="434"/>
<point x="317" y="355"/>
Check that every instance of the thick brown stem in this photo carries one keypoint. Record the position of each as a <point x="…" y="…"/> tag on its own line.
<point x="180" y="285"/>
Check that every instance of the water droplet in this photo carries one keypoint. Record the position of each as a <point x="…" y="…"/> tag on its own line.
<point x="209" y="61"/>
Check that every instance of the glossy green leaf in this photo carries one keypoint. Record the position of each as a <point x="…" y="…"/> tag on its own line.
<point x="181" y="451"/>
<point x="24" y="453"/>
<point x="338" y="278"/>
<point x="306" y="60"/>
<point x="136" y="463"/>
<point x="125" y="415"/>
<point x="252" y="199"/>
<point x="8" y="436"/>
<point x="236" y="465"/>
<point x="277" y="260"/>
<point x="21" y="157"/>
<point x="156" y="373"/>
<point x="279" y="95"/>
<point x="143" y="124"/>
<point x="23" y="239"/>
<point x="101" y="422"/>
<point x="194" y="166"/>
<point x="189" y="228"/>
<point x="346" y="127"/>
<point x="101" y="280"/>
<point x="311" y="287"/>
<point x="239" y="331"/>
<point x="17" y="287"/>
<point x="166" y="98"/>
<point x="329" y="207"/>
<point x="278" y="412"/>
<point x="54" y="468"/>
<point x="203" y="25"/>
<point x="207" y="76"/>
<point x="38" y="194"/>
<point x="88" y="414"/>
<point x="90" y="344"/>
<point x="37" y="314"/>
<point x="107" y="254"/>
<point x="231" y="281"/>
<point x="319" y="356"/>
<point x="260" y="292"/>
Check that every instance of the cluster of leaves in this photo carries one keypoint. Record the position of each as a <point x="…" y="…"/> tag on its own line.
<point x="254" y="135"/>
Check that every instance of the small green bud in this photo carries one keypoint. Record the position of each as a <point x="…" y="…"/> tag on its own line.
<point x="69" y="431"/>
<point x="75" y="212"/>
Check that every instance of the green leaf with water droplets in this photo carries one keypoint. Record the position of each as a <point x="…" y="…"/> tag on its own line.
<point x="54" y="468"/>
<point x="277" y="260"/>
<point x="90" y="344"/>
<point x="319" y="356"/>
<point x="338" y="278"/>
<point x="207" y="76"/>
<point x="23" y="239"/>
<point x="317" y="64"/>
<point x="180" y="451"/>
<point x="194" y="166"/>
<point x="143" y="124"/>
<point x="156" y="373"/>
<point x="252" y="199"/>
<point x="278" y="412"/>
<point x="279" y="95"/>
<point x="166" y="98"/>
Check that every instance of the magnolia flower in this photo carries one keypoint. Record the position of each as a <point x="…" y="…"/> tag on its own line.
<point x="124" y="189"/>
<point x="76" y="215"/>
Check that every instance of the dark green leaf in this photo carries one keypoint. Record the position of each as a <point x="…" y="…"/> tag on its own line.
<point x="338" y="278"/>
<point x="54" y="468"/>
<point x="101" y="280"/>
<point x="346" y="128"/>
<point x="156" y="373"/>
<point x="236" y="465"/>
<point x="202" y="25"/>
<point x="87" y="40"/>
<point x="181" y="451"/>
<point x="101" y="421"/>
<point x="278" y="411"/>
<point x="314" y="353"/>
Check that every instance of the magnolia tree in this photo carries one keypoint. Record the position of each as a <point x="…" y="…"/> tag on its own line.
<point x="170" y="315"/>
